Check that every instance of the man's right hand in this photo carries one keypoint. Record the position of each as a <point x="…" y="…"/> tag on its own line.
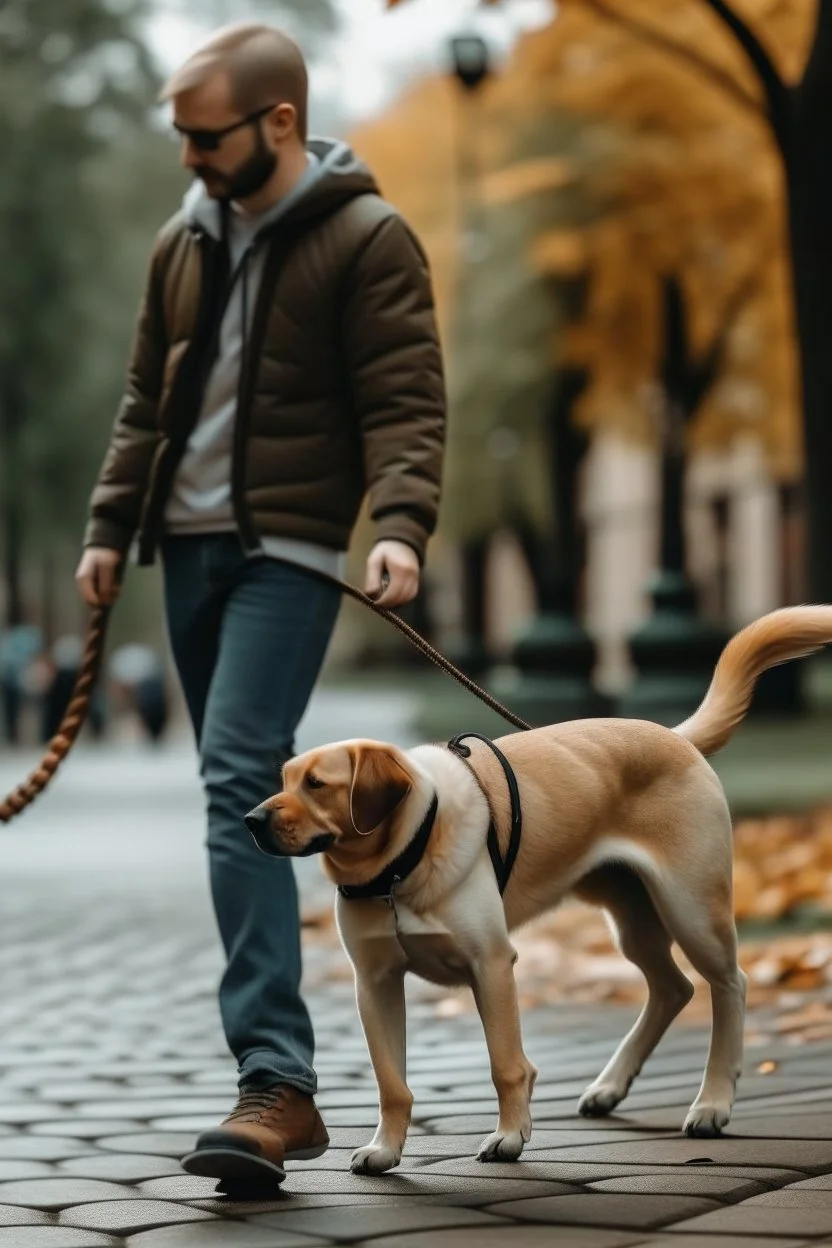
<point x="97" y="576"/>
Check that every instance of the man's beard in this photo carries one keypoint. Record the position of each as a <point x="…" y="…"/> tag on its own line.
<point x="251" y="176"/>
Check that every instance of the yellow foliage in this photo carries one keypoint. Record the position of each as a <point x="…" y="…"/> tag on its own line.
<point x="695" y="189"/>
<point x="679" y="154"/>
<point x="531" y="177"/>
<point x="415" y="159"/>
<point x="561" y="253"/>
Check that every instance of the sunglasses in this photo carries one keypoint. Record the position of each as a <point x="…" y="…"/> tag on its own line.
<point x="210" y="140"/>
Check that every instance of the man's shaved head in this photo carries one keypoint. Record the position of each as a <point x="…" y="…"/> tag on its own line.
<point x="263" y="66"/>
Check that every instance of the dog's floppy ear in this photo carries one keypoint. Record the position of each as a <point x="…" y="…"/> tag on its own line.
<point x="379" y="784"/>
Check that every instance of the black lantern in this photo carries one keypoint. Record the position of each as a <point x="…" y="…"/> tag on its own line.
<point x="470" y="56"/>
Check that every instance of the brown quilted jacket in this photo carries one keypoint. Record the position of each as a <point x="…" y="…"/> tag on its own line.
<point x="341" y="389"/>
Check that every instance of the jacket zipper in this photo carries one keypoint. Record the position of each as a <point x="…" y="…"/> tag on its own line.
<point x="167" y="462"/>
<point x="277" y="255"/>
<point x="275" y="259"/>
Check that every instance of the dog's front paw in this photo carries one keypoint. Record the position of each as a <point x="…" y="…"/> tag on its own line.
<point x="706" y="1121"/>
<point x="600" y="1099"/>
<point x="374" y="1159"/>
<point x="502" y="1146"/>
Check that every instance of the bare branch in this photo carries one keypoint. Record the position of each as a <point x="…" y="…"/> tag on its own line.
<point x="816" y="84"/>
<point x="659" y="40"/>
<point x="706" y="371"/>
<point x="776" y="90"/>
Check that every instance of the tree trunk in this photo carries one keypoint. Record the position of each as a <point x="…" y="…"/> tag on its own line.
<point x="11" y="506"/>
<point x="801" y="122"/>
<point x="673" y="547"/>
<point x="568" y="446"/>
<point x="808" y="169"/>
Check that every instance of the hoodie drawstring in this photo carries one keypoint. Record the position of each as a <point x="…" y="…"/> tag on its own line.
<point x="241" y="273"/>
<point x="244" y="306"/>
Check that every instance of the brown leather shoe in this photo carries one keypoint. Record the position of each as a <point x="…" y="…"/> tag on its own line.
<point x="262" y="1131"/>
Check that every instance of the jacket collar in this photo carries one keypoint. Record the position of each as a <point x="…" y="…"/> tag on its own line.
<point x="334" y="176"/>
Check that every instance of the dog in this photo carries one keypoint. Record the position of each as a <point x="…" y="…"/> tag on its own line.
<point x="622" y="813"/>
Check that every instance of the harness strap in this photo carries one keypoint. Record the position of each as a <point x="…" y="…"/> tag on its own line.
<point x="502" y="869"/>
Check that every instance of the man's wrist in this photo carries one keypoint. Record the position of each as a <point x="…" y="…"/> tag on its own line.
<point x="101" y="531"/>
<point x="404" y="528"/>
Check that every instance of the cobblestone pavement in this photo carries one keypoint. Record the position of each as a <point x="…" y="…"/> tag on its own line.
<point x="112" y="1058"/>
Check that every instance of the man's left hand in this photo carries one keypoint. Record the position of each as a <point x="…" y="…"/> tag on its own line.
<point x="392" y="577"/>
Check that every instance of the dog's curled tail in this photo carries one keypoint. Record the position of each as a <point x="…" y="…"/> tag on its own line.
<point x="790" y="633"/>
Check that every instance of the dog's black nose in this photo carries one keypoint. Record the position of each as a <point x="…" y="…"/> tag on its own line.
<point x="257" y="820"/>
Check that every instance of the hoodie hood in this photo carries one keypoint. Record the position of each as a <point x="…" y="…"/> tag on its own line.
<point x="335" y="175"/>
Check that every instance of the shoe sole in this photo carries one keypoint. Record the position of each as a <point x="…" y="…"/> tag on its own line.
<point x="239" y="1166"/>
<point x="233" y="1165"/>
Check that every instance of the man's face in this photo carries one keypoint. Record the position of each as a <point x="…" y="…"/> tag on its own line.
<point x="244" y="160"/>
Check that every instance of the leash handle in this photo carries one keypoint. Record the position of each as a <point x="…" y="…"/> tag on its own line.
<point x="71" y="724"/>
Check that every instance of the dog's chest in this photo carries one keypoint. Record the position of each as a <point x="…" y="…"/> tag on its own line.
<point x="432" y="951"/>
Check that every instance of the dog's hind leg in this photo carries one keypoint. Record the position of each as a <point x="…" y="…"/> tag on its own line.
<point x="702" y="922"/>
<point x="643" y="938"/>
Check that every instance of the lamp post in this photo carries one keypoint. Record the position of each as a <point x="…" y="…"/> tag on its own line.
<point x="471" y="59"/>
<point x="471" y="65"/>
<point x="550" y="673"/>
<point x="11" y="429"/>
<point x="550" y="676"/>
<point x="675" y="650"/>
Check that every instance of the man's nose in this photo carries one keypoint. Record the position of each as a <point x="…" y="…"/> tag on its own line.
<point x="189" y="155"/>
<point x="257" y="820"/>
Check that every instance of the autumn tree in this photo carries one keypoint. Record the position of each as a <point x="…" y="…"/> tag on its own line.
<point x="765" y="65"/>
<point x="498" y="311"/>
<point x="604" y="178"/>
<point x="74" y="80"/>
<point x="658" y="175"/>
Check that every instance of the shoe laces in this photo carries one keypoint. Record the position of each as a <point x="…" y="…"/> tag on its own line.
<point x="253" y="1106"/>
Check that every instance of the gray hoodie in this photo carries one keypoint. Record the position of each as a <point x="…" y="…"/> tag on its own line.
<point x="200" y="495"/>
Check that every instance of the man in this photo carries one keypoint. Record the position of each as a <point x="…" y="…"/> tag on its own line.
<point x="285" y="363"/>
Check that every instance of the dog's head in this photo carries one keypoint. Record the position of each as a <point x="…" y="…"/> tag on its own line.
<point x="332" y="799"/>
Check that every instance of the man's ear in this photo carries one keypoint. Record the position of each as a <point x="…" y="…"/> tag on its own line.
<point x="284" y="118"/>
<point x="379" y="785"/>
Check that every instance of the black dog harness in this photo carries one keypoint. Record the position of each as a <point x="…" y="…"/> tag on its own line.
<point x="502" y="868"/>
<point x="383" y="884"/>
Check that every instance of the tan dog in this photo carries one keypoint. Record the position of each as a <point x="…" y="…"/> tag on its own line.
<point x="623" y="813"/>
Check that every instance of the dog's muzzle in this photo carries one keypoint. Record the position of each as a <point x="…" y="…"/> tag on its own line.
<point x="259" y="824"/>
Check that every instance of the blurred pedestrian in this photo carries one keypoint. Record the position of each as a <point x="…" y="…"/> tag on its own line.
<point x="286" y="362"/>
<point x="139" y="674"/>
<point x="65" y="656"/>
<point x="19" y="646"/>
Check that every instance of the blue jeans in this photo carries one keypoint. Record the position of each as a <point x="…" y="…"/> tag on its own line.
<point x="248" y="639"/>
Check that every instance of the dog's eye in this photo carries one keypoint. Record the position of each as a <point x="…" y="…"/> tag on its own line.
<point x="313" y="782"/>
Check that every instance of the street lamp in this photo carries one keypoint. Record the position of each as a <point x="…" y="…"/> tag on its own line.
<point x="470" y="63"/>
<point x="675" y="650"/>
<point x="470" y="59"/>
<point x="550" y="674"/>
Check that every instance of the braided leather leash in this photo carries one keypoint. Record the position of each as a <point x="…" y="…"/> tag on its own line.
<point x="425" y="648"/>
<point x="71" y="724"/>
<point x="79" y="704"/>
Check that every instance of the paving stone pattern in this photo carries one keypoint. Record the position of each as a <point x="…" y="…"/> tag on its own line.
<point x="112" y="1059"/>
